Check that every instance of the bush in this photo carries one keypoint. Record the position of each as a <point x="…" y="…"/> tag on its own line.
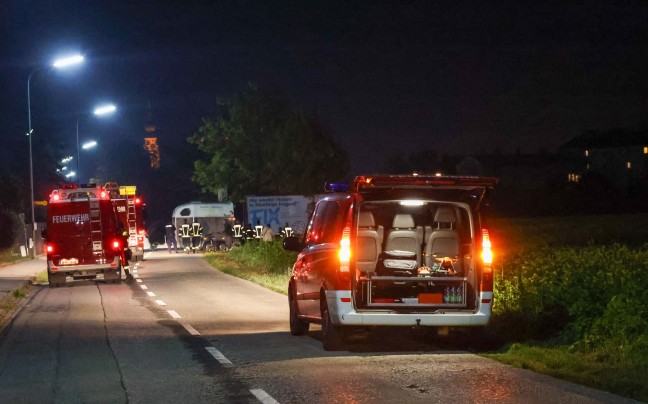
<point x="592" y="297"/>
<point x="264" y="255"/>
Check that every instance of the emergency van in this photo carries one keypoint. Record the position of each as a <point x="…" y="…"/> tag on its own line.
<point x="129" y="208"/>
<point x="394" y="250"/>
<point x="81" y="236"/>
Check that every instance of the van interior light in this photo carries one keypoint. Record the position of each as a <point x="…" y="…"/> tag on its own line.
<point x="412" y="202"/>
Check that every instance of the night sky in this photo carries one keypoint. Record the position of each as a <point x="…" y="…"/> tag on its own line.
<point x="387" y="77"/>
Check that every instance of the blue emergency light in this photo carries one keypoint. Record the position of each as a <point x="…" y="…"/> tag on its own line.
<point x="336" y="187"/>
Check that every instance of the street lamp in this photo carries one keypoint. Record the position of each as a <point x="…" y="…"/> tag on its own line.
<point x="59" y="63"/>
<point x="99" y="111"/>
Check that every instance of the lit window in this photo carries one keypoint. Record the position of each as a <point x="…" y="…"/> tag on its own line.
<point x="645" y="149"/>
<point x="586" y="153"/>
<point x="573" y="177"/>
<point x="628" y="165"/>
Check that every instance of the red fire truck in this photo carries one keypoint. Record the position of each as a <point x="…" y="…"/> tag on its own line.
<point x="81" y="237"/>
<point x="129" y="209"/>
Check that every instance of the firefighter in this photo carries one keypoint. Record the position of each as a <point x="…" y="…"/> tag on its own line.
<point x="171" y="238"/>
<point x="249" y="232"/>
<point x="258" y="229"/>
<point x="196" y="236"/>
<point x="185" y="235"/>
<point x="238" y="234"/>
<point x="288" y="231"/>
<point x="126" y="252"/>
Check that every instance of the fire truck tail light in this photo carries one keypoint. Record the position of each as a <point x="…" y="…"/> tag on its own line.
<point x="138" y="201"/>
<point x="49" y="248"/>
<point x="116" y="244"/>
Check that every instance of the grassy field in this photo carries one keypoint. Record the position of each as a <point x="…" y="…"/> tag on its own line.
<point x="570" y="296"/>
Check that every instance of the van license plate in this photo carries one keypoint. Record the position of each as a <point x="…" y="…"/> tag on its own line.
<point x="68" y="261"/>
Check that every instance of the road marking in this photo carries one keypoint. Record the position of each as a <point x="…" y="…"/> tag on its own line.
<point x="263" y="396"/>
<point x="190" y="329"/>
<point x="160" y="302"/>
<point x="144" y="287"/>
<point x="173" y="314"/>
<point x="135" y="276"/>
<point x="151" y="294"/>
<point x="138" y="280"/>
<point x="218" y="356"/>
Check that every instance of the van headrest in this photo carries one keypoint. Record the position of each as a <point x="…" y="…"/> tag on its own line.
<point x="403" y="221"/>
<point x="366" y="219"/>
<point x="445" y="214"/>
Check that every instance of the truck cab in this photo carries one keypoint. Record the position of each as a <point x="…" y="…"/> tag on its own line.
<point x="81" y="236"/>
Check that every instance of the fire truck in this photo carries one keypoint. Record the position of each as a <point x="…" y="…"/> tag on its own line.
<point x="129" y="209"/>
<point x="81" y="236"/>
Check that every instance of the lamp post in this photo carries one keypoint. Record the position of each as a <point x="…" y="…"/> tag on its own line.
<point x="59" y="63"/>
<point x="99" y="111"/>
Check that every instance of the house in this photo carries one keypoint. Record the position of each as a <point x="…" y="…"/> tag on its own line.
<point x="618" y="155"/>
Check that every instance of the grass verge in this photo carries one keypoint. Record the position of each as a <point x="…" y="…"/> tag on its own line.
<point x="592" y="370"/>
<point x="8" y="257"/>
<point x="10" y="302"/>
<point x="265" y="264"/>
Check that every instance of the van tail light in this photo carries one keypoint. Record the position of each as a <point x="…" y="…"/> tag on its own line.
<point x="345" y="249"/>
<point x="487" y="263"/>
<point x="49" y="248"/>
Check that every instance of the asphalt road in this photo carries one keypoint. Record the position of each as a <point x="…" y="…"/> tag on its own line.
<point x="184" y="332"/>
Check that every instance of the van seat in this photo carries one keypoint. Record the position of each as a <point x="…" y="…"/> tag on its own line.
<point x="443" y="240"/>
<point x="368" y="242"/>
<point x="405" y="235"/>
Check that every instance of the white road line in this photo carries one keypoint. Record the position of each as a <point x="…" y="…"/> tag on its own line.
<point x="263" y="396"/>
<point x="151" y="294"/>
<point x="173" y="314"/>
<point x="218" y="356"/>
<point x="190" y="329"/>
<point x="138" y="280"/>
<point x="144" y="287"/>
<point x="160" y="302"/>
<point x="135" y="276"/>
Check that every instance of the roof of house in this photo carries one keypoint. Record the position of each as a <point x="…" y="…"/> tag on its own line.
<point x="595" y="139"/>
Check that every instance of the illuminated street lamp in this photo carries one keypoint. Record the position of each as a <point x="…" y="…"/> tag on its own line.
<point x="59" y="63"/>
<point x="99" y="111"/>
<point x="88" y="145"/>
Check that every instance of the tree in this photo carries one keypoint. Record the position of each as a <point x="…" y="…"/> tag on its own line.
<point x="261" y="146"/>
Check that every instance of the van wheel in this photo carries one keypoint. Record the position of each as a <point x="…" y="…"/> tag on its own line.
<point x="297" y="325"/>
<point x="333" y="337"/>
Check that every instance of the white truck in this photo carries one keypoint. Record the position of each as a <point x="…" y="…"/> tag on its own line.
<point x="213" y="217"/>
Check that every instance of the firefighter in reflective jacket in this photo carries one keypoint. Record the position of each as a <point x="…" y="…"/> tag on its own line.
<point x="196" y="236"/>
<point x="185" y="236"/>
<point x="125" y="251"/>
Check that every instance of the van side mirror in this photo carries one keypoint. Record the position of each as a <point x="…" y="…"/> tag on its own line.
<point x="44" y="233"/>
<point x="292" y="243"/>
